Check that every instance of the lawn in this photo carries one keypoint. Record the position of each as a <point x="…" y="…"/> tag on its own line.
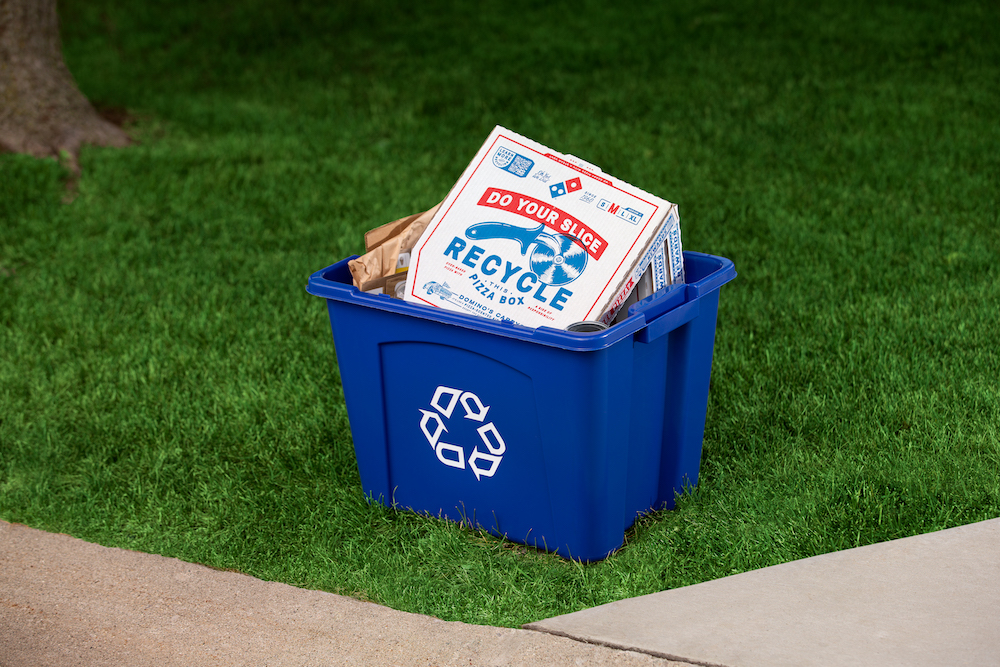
<point x="166" y="384"/>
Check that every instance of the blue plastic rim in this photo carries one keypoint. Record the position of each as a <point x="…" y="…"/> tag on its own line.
<point x="553" y="439"/>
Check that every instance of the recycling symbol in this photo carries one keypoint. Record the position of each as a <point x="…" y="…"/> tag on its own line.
<point x="433" y="424"/>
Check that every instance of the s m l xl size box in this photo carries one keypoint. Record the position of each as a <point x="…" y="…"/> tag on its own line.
<point x="537" y="238"/>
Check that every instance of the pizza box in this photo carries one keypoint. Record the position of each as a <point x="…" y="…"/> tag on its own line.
<point x="538" y="238"/>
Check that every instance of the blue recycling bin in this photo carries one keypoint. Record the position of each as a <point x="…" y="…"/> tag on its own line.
<point x="549" y="438"/>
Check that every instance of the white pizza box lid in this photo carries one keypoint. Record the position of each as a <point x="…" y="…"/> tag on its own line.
<point x="538" y="238"/>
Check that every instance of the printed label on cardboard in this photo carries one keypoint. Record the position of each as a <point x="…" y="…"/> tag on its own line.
<point x="529" y="236"/>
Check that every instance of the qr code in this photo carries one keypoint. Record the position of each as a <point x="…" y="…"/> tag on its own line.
<point x="512" y="162"/>
<point x="521" y="166"/>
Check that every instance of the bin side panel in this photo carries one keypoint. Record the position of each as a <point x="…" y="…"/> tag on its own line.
<point x="690" y="365"/>
<point x="585" y="439"/>
<point x="649" y="385"/>
<point x="463" y="441"/>
<point x="357" y="356"/>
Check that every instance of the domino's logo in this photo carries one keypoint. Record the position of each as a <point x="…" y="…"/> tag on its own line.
<point x="559" y="189"/>
<point x="511" y="162"/>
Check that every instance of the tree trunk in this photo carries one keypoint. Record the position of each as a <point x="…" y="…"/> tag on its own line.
<point x="42" y="112"/>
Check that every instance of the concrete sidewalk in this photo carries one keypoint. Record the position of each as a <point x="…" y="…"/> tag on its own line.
<point x="927" y="600"/>
<point x="68" y="603"/>
<point x="930" y="600"/>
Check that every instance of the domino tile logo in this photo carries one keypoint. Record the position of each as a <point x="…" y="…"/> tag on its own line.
<point x="559" y="189"/>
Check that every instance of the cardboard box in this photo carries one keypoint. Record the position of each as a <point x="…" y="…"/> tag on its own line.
<point x="541" y="239"/>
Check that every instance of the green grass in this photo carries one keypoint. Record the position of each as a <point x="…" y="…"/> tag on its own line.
<point x="167" y="385"/>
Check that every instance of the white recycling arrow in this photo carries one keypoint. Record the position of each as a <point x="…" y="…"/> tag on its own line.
<point x="479" y="414"/>
<point x="477" y="455"/>
<point x="458" y="461"/>
<point x="441" y="428"/>
<point x="441" y="391"/>
<point x="500" y="446"/>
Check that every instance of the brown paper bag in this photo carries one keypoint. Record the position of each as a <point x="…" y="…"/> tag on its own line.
<point x="385" y="244"/>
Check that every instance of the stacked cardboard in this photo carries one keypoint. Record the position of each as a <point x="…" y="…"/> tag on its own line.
<point x="387" y="254"/>
<point x="530" y="236"/>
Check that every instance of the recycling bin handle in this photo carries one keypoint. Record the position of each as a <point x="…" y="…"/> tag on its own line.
<point x="668" y="321"/>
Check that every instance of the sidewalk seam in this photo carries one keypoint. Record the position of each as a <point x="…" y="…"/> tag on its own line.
<point x="623" y="647"/>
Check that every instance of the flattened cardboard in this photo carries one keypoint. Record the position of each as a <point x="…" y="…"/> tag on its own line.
<point x="538" y="238"/>
<point x="385" y="284"/>
<point x="386" y="245"/>
<point x="376" y="237"/>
